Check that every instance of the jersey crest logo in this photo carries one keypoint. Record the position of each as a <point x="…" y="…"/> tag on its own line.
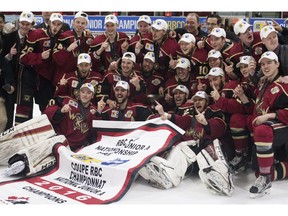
<point x="128" y="114"/>
<point x="149" y="47"/>
<point x="156" y="82"/>
<point x="114" y="113"/>
<point x="275" y="90"/>
<point x="47" y="43"/>
<point x="258" y="51"/>
<point x="116" y="78"/>
<point x="74" y="83"/>
<point x="73" y="103"/>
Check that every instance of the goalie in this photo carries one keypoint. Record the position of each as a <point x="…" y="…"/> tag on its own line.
<point x="203" y="131"/>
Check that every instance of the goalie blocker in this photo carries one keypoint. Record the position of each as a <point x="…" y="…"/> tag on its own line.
<point x="168" y="172"/>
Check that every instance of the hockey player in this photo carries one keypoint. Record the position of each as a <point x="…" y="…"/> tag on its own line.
<point x="270" y="124"/>
<point x="183" y="76"/>
<point x="163" y="47"/>
<point x="198" y="57"/>
<point x="250" y="44"/>
<point x="73" y="118"/>
<point x="201" y="145"/>
<point x="153" y="80"/>
<point x="70" y="44"/>
<point x="143" y="34"/>
<point x="127" y="72"/>
<point x="37" y="82"/>
<point x="125" y="109"/>
<point x="109" y="46"/>
<point x="71" y="82"/>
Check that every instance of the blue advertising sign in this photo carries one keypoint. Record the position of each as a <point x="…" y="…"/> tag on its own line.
<point x="127" y="24"/>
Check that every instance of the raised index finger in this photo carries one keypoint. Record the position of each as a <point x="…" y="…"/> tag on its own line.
<point x="197" y="111"/>
<point x="213" y="86"/>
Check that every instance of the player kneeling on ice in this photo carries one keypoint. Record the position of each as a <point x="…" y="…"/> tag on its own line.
<point x="204" y="128"/>
<point x="27" y="148"/>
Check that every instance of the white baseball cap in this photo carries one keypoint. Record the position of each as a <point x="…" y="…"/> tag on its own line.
<point x="129" y="56"/>
<point x="56" y="16"/>
<point x="89" y="86"/>
<point x="200" y="94"/>
<point x="214" y="54"/>
<point x="269" y="55"/>
<point x="241" y="26"/>
<point x="183" y="63"/>
<point x="123" y="84"/>
<point x="151" y="56"/>
<point x="83" y="15"/>
<point x="244" y="60"/>
<point x="111" y="18"/>
<point x="188" y="38"/>
<point x="216" y="71"/>
<point x="27" y="16"/>
<point x="144" y="18"/>
<point x="218" y="32"/>
<point x="182" y="88"/>
<point x="160" y="24"/>
<point x="266" y="30"/>
<point x="84" y="57"/>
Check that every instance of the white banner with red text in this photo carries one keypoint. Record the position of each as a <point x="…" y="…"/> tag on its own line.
<point x="100" y="173"/>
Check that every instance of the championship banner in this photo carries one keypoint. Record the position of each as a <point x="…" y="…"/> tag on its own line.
<point x="101" y="173"/>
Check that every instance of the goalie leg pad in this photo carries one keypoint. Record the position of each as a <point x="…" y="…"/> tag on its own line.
<point x="24" y="135"/>
<point x="215" y="174"/>
<point x="38" y="156"/>
<point x="162" y="173"/>
<point x="166" y="173"/>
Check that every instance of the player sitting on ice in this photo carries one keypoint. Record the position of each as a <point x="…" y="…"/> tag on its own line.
<point x="204" y="129"/>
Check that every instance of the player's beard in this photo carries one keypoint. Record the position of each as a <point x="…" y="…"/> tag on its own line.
<point x="83" y="74"/>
